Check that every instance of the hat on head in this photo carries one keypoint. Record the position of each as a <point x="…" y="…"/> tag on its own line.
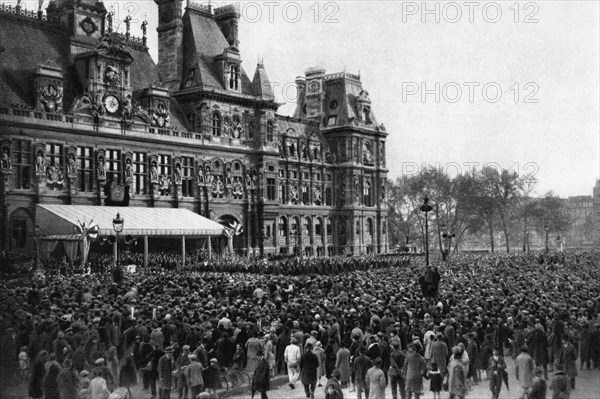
<point x="169" y="349"/>
<point x="84" y="373"/>
<point x="99" y="361"/>
<point x="214" y="360"/>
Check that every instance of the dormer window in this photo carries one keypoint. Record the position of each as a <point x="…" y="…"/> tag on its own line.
<point x="216" y="124"/>
<point x="367" y="114"/>
<point x="234" y="77"/>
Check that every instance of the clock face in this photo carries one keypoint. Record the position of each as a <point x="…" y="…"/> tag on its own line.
<point x="111" y="103"/>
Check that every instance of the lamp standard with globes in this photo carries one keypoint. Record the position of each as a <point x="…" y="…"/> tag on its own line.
<point x="448" y="240"/>
<point x="546" y="228"/>
<point x="426" y="208"/>
<point x="118" y="223"/>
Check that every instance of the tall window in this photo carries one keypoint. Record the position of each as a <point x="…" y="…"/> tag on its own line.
<point x="54" y="154"/>
<point x="282" y="197"/>
<point x="187" y="176"/>
<point x="22" y="163"/>
<point x="113" y="166"/>
<point x="140" y="172"/>
<point x="234" y="76"/>
<point x="282" y="227"/>
<point x="329" y="228"/>
<point x="328" y="196"/>
<point x="85" y="156"/>
<point x="269" y="131"/>
<point x="305" y="195"/>
<point x="19" y="232"/>
<point x="164" y="165"/>
<point x="271" y="189"/>
<point x="319" y="227"/>
<point x="295" y="225"/>
<point x="216" y="124"/>
<point x="367" y="194"/>
<point x="370" y="230"/>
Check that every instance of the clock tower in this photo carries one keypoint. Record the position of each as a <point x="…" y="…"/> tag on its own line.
<point x="106" y="78"/>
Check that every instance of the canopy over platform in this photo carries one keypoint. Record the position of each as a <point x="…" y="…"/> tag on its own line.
<point x="58" y="222"/>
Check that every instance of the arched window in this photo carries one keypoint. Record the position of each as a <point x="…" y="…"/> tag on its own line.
<point x="329" y="228"/>
<point x="319" y="227"/>
<point x="269" y="131"/>
<point x="216" y="124"/>
<point x="370" y="227"/>
<point x="307" y="227"/>
<point x="295" y="226"/>
<point x="283" y="227"/>
<point x="234" y="76"/>
<point x="20" y="223"/>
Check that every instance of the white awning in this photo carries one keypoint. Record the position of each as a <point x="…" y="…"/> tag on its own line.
<point x="58" y="221"/>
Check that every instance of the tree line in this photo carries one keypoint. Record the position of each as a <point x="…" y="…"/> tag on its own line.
<point x="488" y="205"/>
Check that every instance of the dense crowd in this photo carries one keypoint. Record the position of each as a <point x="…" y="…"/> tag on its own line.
<point x="363" y="318"/>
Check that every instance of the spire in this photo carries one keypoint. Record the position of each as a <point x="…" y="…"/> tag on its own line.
<point x="261" y="85"/>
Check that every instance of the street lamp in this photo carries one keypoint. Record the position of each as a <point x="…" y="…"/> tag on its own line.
<point x="37" y="248"/>
<point x="118" y="223"/>
<point x="447" y="240"/>
<point x="426" y="208"/>
<point x="546" y="228"/>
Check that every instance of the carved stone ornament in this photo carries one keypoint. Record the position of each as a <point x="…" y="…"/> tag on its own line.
<point x="51" y="96"/>
<point x="160" y="116"/>
<point x="88" y="26"/>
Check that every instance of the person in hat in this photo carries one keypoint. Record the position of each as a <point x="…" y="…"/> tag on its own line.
<point x="496" y="370"/>
<point x="261" y="376"/>
<point x="413" y="369"/>
<point x="524" y="366"/>
<point x="212" y="377"/>
<point x="320" y="354"/>
<point x="342" y="363"/>
<point x="560" y="385"/>
<point x="292" y="359"/>
<point x="68" y="381"/>
<point x="181" y="364"/>
<point x="333" y="389"/>
<point x="397" y="357"/>
<point x="193" y="375"/>
<point x="165" y="374"/>
<point x="538" y="386"/>
<point x="98" y="386"/>
<point x="567" y="356"/>
<point x="309" y="363"/>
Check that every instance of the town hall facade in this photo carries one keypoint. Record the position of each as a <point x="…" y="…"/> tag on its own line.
<point x="88" y="118"/>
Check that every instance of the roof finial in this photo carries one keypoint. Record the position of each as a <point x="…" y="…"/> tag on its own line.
<point x="127" y="26"/>
<point x="144" y="27"/>
<point x="109" y="18"/>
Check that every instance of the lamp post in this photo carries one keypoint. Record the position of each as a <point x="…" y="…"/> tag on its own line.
<point x="546" y="228"/>
<point x="118" y="223"/>
<point x="447" y="240"/>
<point x="527" y="243"/>
<point x="426" y="208"/>
<point x="36" y="244"/>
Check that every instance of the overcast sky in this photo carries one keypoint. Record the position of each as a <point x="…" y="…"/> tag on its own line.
<point x="517" y="84"/>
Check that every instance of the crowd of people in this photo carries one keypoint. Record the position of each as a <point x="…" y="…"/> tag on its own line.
<point x="365" y="320"/>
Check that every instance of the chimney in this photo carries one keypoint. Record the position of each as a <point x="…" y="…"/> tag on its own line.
<point x="300" y="111"/>
<point x="314" y="92"/>
<point x="227" y="17"/>
<point x="170" y="36"/>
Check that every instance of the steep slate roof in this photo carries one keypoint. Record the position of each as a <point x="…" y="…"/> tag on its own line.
<point x="202" y="42"/>
<point x="261" y="83"/>
<point x="27" y="44"/>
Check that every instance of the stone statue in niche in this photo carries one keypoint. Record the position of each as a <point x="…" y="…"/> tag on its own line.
<point x="40" y="163"/>
<point x="178" y="173"/>
<point x="208" y="177"/>
<point x="200" y="175"/>
<point x="128" y="171"/>
<point x="101" y="169"/>
<point x="217" y="187"/>
<point x="355" y="150"/>
<point x="6" y="165"/>
<point x="71" y="166"/>
<point x="381" y="155"/>
<point x="356" y="190"/>
<point x="154" y="173"/>
<point x="318" y="195"/>
<point x="316" y="152"/>
<point x="237" y="128"/>
<point x="367" y="153"/>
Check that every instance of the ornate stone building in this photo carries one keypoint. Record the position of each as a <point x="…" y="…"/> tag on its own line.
<point x="87" y="117"/>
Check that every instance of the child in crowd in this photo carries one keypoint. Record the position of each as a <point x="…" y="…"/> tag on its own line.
<point x="24" y="364"/>
<point x="435" y="381"/>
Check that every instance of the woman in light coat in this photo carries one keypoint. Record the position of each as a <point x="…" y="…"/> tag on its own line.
<point x="342" y="363"/>
<point x="375" y="379"/>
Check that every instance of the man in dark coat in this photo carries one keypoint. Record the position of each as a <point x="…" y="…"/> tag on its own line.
<point x="261" y="376"/>
<point x="309" y="363"/>
<point x="496" y="370"/>
<point x="359" y="371"/>
<point x="165" y="372"/>
<point x="538" y="347"/>
<point x="396" y="379"/>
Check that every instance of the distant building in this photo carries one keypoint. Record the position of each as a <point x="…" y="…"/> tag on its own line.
<point x="581" y="234"/>
<point x="88" y="118"/>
